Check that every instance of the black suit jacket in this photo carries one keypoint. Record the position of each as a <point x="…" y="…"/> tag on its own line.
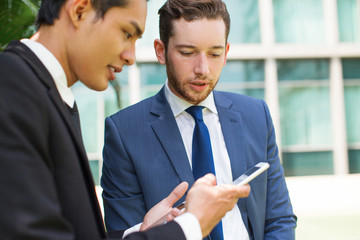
<point x="46" y="187"/>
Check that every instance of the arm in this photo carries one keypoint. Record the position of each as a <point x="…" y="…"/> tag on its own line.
<point x="119" y="196"/>
<point x="170" y="231"/>
<point x="280" y="220"/>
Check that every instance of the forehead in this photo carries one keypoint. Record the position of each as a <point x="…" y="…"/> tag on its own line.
<point x="134" y="12"/>
<point x="199" y="32"/>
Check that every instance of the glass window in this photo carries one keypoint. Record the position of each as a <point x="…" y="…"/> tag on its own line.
<point x="116" y="96"/>
<point x="348" y="14"/>
<point x="352" y="99"/>
<point x="308" y="163"/>
<point x="153" y="77"/>
<point x="298" y="21"/>
<point x="87" y="102"/>
<point x="244" y="15"/>
<point x="95" y="171"/>
<point x="152" y="24"/>
<point x="351" y="75"/>
<point x="354" y="161"/>
<point x="351" y="68"/>
<point x="305" y="114"/>
<point x="304" y="69"/>
<point x="245" y="77"/>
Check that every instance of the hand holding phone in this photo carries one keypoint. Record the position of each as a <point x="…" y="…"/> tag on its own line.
<point x="243" y="179"/>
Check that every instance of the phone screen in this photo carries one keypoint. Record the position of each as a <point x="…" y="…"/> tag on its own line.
<point x="251" y="173"/>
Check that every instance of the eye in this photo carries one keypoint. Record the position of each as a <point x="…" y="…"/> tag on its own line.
<point x="215" y="54"/>
<point x="186" y="53"/>
<point x="128" y="35"/>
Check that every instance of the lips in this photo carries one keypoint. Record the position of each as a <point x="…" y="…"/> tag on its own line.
<point x="198" y="86"/>
<point x="112" y="70"/>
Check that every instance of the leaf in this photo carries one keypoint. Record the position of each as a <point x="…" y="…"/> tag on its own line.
<point x="17" y="19"/>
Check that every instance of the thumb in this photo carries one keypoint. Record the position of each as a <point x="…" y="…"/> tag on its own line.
<point x="208" y="179"/>
<point x="176" y="194"/>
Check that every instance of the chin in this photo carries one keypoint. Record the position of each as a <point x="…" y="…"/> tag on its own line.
<point x="99" y="86"/>
<point x="102" y="88"/>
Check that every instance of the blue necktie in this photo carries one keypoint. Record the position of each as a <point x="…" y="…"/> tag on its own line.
<point x="202" y="158"/>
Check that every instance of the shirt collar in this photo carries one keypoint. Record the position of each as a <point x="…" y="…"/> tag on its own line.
<point x="179" y="105"/>
<point x="54" y="68"/>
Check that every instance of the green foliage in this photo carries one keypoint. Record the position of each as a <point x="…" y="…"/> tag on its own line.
<point x="17" y="19"/>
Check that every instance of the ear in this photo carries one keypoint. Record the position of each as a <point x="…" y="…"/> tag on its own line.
<point x="226" y="52"/>
<point x="78" y="9"/>
<point x="160" y="51"/>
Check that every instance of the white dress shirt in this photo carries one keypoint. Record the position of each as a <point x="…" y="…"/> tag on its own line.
<point x="55" y="69"/>
<point x="188" y="222"/>
<point x="233" y="225"/>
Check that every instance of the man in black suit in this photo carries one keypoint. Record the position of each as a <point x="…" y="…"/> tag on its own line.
<point x="47" y="191"/>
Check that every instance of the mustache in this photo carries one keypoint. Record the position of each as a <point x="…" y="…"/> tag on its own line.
<point x="201" y="77"/>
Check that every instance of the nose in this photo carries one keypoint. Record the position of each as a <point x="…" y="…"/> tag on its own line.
<point x="128" y="55"/>
<point x="202" y="66"/>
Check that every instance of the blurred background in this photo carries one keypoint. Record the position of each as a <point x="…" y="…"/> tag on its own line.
<point x="301" y="56"/>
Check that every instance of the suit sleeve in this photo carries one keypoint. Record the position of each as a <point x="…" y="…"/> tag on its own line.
<point x="29" y="204"/>
<point x="280" y="220"/>
<point x="122" y="192"/>
<point x="169" y="231"/>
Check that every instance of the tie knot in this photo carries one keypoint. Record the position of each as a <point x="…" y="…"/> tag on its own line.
<point x="195" y="112"/>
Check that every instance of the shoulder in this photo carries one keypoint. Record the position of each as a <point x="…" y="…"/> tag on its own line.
<point x="11" y="64"/>
<point x="137" y="109"/>
<point x="17" y="78"/>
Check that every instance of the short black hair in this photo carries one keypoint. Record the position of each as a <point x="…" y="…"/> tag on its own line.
<point x="50" y="9"/>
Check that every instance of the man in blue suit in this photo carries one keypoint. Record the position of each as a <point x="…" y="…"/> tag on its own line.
<point x="148" y="146"/>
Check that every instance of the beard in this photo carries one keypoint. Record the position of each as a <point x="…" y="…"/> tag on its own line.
<point x="181" y="88"/>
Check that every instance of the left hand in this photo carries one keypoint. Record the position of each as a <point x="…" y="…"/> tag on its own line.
<point x="164" y="211"/>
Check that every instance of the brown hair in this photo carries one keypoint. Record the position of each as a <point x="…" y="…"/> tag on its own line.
<point x="190" y="10"/>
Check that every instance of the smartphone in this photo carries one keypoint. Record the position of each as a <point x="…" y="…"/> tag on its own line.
<point x="244" y="178"/>
<point x="251" y="173"/>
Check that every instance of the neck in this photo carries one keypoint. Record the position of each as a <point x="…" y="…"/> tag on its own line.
<point x="51" y="37"/>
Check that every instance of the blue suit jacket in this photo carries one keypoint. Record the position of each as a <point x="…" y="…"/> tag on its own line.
<point x="145" y="159"/>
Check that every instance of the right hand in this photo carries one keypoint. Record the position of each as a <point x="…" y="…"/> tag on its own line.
<point x="210" y="202"/>
<point x="164" y="211"/>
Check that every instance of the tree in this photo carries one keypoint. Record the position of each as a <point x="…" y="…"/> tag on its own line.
<point x="17" y="19"/>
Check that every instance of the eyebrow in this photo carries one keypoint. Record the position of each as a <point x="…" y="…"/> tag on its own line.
<point x="139" y="32"/>
<point x="191" y="46"/>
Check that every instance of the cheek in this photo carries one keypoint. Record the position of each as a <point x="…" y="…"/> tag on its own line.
<point x="216" y="67"/>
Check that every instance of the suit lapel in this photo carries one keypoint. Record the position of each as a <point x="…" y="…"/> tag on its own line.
<point x="45" y="77"/>
<point x="232" y="128"/>
<point x="170" y="139"/>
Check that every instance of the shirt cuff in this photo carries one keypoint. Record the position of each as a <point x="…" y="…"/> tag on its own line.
<point x="135" y="228"/>
<point x="190" y="226"/>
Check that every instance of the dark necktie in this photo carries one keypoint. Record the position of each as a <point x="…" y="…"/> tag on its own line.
<point x="75" y="117"/>
<point x="202" y="158"/>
